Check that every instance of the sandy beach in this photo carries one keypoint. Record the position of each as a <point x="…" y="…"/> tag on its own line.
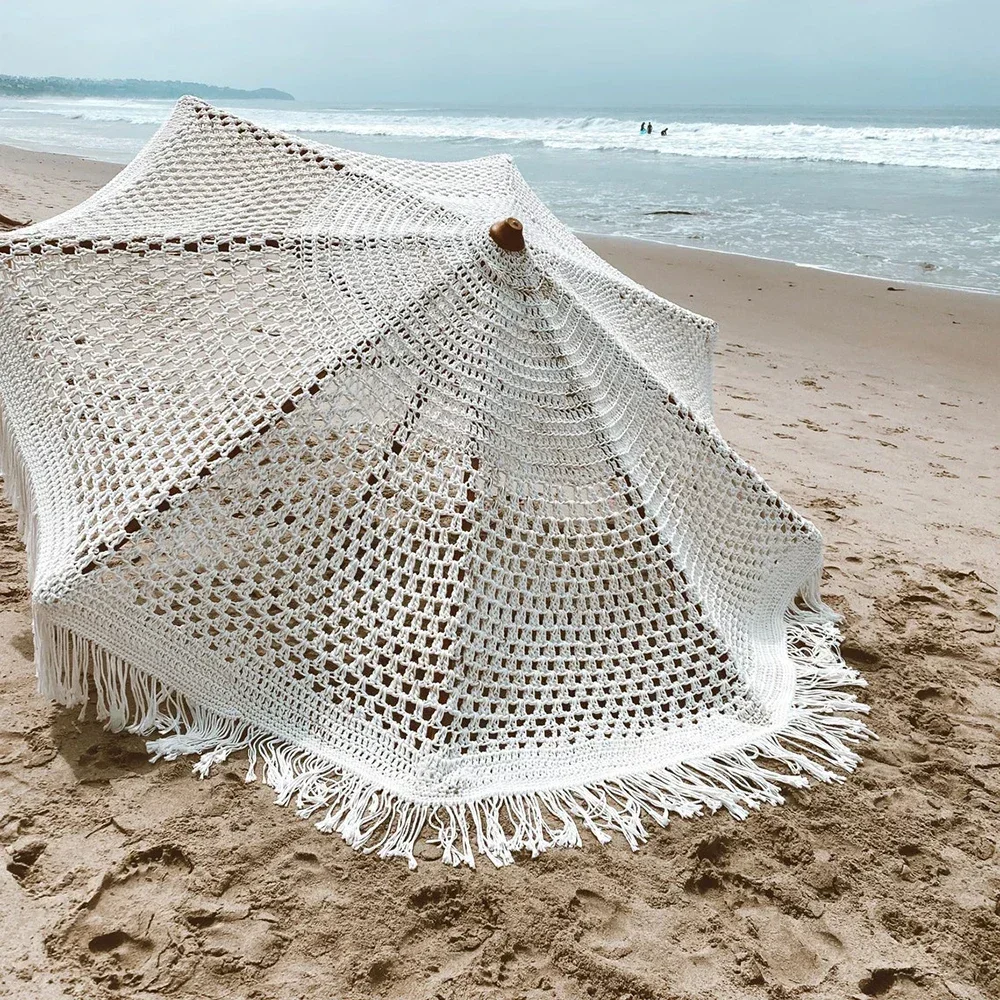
<point x="872" y="406"/>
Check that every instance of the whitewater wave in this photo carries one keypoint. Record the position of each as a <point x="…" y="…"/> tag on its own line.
<point x="955" y="147"/>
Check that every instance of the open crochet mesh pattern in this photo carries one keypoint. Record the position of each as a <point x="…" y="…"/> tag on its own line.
<point x="443" y="535"/>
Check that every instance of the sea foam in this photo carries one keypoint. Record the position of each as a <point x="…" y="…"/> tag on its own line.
<point x="955" y="147"/>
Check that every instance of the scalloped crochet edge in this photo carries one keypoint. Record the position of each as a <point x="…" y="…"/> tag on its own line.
<point x="813" y="742"/>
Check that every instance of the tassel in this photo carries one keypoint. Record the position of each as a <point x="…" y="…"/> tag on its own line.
<point x="812" y="743"/>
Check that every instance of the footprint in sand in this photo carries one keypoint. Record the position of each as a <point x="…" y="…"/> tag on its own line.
<point x="813" y="426"/>
<point x="468" y="912"/>
<point x="942" y="472"/>
<point x="794" y="954"/>
<point x="591" y="909"/>
<point x="637" y="932"/>
<point x="829" y="506"/>
<point x="880" y="981"/>
<point x="146" y="929"/>
<point x="23" y="855"/>
<point x="128" y="934"/>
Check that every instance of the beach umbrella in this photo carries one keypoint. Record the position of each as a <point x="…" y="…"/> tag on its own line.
<point x="371" y="469"/>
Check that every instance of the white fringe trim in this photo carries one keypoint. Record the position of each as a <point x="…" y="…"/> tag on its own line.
<point x="812" y="742"/>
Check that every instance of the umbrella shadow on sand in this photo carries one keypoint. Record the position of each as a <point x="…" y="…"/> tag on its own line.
<point x="95" y="754"/>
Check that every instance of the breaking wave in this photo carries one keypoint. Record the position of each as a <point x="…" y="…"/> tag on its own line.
<point x="955" y="147"/>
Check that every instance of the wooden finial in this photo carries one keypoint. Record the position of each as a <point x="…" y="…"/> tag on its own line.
<point x="508" y="234"/>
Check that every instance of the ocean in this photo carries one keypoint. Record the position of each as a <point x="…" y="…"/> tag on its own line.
<point x="905" y="194"/>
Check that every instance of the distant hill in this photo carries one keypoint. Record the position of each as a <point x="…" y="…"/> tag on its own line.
<point x="61" y="86"/>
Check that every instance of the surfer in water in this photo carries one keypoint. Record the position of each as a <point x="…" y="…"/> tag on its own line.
<point x="663" y="131"/>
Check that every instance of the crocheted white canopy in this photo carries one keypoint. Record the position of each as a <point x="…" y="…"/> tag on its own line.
<point x="438" y="529"/>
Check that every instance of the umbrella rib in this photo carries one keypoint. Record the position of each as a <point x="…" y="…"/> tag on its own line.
<point x="628" y="348"/>
<point x="212" y="463"/>
<point x="288" y="406"/>
<point x="613" y="455"/>
<point x="635" y="494"/>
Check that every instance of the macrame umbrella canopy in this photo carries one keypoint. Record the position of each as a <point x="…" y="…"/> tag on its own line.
<point x="372" y="469"/>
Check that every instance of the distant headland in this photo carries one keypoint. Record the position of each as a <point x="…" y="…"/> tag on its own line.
<point x="61" y="86"/>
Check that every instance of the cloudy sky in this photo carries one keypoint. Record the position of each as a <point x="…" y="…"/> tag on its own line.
<point x="567" y="52"/>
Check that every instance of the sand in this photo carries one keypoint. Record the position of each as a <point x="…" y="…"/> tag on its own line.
<point x="875" y="413"/>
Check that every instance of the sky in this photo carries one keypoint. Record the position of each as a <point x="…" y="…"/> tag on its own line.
<point x="573" y="53"/>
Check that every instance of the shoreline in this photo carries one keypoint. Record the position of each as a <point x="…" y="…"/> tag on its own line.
<point x="948" y="336"/>
<point x="586" y="235"/>
<point x="108" y="167"/>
